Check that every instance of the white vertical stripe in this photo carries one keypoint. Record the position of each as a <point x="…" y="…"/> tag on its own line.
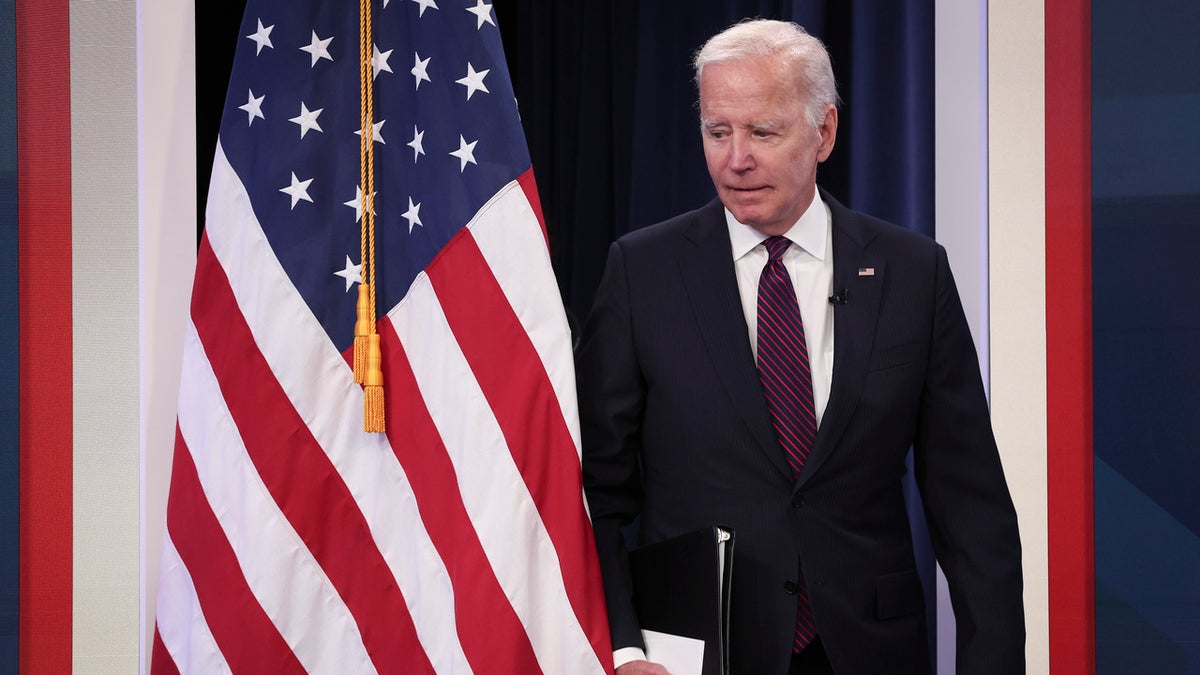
<point x="494" y="493"/>
<point x="961" y="155"/>
<point x="960" y="167"/>
<point x="181" y="622"/>
<point x="320" y="385"/>
<point x="281" y="572"/>
<point x="1017" y="233"/>
<point x="167" y="223"/>
<point x="507" y="232"/>
<point x="104" y="394"/>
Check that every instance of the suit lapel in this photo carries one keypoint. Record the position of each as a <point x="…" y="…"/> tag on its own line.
<point x="861" y="275"/>
<point x="707" y="269"/>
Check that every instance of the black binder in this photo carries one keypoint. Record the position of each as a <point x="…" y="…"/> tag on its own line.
<point x="681" y="587"/>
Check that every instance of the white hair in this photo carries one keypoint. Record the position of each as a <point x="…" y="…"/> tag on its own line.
<point x="756" y="38"/>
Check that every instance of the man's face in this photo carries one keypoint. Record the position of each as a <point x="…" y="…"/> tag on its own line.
<point x="761" y="151"/>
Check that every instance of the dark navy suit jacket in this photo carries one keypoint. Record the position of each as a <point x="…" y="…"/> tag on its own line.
<point x="676" y="432"/>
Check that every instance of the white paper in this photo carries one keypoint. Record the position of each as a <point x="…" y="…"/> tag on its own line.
<point x="679" y="655"/>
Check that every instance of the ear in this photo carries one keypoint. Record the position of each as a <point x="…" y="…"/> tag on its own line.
<point x="828" y="131"/>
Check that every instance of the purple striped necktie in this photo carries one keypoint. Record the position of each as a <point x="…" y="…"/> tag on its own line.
<point x="787" y="386"/>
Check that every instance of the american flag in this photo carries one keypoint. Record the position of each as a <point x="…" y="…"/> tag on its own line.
<point x="458" y="541"/>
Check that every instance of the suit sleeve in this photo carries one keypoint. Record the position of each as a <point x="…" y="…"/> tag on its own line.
<point x="611" y="404"/>
<point x="972" y="522"/>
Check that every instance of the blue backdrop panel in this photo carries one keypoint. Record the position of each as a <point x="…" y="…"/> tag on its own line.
<point x="1146" y="232"/>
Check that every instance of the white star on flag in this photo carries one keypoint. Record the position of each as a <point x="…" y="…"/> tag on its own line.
<point x="379" y="61"/>
<point x="307" y="119"/>
<point x="482" y="12"/>
<point x="425" y="4"/>
<point x="253" y="107"/>
<point x="262" y="37"/>
<point x="474" y="80"/>
<point x="357" y="202"/>
<point x="297" y="190"/>
<point x="416" y="143"/>
<point x="318" y="48"/>
<point x="413" y="215"/>
<point x="465" y="153"/>
<point x="351" y="273"/>
<point x="376" y="134"/>
<point x="420" y="68"/>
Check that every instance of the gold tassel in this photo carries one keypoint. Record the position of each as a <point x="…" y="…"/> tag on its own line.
<point x="362" y="328"/>
<point x="373" y="411"/>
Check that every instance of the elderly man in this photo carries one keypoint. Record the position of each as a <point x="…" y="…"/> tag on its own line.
<point x="766" y="362"/>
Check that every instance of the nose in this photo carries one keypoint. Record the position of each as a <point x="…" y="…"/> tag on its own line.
<point x="741" y="157"/>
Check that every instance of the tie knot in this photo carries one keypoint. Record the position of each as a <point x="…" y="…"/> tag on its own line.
<point x="776" y="246"/>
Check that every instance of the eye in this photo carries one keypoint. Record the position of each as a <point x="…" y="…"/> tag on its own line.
<point x="762" y="133"/>
<point x="716" y="135"/>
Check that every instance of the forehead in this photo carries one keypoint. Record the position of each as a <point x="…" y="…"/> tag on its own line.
<point x="755" y="87"/>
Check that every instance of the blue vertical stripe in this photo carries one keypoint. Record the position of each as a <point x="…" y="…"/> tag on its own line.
<point x="9" y="383"/>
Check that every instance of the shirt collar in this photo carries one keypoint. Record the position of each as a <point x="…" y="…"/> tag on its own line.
<point x="810" y="233"/>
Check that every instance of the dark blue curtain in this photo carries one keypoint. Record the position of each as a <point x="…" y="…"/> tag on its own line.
<point x="608" y="103"/>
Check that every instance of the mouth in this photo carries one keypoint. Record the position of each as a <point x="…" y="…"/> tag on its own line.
<point x="747" y="191"/>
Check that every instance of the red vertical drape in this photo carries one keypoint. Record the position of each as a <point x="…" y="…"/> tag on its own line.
<point x="44" y="296"/>
<point x="1069" y="337"/>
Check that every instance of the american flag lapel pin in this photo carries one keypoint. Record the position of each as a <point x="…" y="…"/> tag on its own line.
<point x="866" y="271"/>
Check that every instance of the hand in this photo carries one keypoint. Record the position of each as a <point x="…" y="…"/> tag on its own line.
<point x="642" y="668"/>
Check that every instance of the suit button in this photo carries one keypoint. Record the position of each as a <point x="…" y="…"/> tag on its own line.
<point x="797" y="501"/>
<point x="790" y="587"/>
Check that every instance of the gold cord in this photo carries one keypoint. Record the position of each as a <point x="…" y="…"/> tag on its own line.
<point x="367" y="353"/>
